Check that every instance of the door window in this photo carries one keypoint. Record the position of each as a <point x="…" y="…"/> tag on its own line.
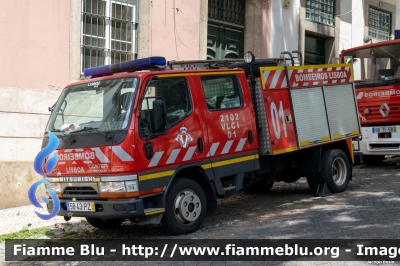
<point x="175" y="94"/>
<point x="221" y="92"/>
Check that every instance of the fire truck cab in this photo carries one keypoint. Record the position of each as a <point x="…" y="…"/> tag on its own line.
<point x="377" y="75"/>
<point x="159" y="142"/>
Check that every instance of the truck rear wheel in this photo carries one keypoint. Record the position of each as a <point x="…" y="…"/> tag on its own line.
<point x="186" y="207"/>
<point x="335" y="170"/>
<point x="373" y="159"/>
<point x="105" y="223"/>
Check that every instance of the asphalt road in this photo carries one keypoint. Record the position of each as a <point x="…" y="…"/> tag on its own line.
<point x="368" y="209"/>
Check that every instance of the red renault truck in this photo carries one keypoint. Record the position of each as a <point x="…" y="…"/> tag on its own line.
<point x="376" y="69"/>
<point x="159" y="142"/>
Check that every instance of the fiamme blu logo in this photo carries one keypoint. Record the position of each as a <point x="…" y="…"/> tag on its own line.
<point x="50" y="165"/>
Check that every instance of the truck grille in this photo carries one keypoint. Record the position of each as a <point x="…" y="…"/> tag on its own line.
<point x="79" y="191"/>
<point x="385" y="146"/>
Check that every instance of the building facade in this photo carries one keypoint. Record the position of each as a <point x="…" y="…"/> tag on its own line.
<point x="49" y="43"/>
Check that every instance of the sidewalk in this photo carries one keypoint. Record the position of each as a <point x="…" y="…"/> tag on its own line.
<point x="19" y="218"/>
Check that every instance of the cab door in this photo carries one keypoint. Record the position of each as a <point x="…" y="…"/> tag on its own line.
<point x="230" y="123"/>
<point x="181" y="142"/>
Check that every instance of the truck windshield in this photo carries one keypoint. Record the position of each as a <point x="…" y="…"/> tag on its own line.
<point x="96" y="105"/>
<point x="376" y="63"/>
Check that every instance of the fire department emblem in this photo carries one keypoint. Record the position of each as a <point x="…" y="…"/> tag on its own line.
<point x="184" y="138"/>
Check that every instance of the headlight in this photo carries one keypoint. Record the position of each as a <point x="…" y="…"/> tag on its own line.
<point x="56" y="187"/>
<point x="132" y="186"/>
<point x="249" y="57"/>
<point x="112" y="187"/>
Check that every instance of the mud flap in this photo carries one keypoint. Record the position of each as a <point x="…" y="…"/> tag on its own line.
<point x="322" y="190"/>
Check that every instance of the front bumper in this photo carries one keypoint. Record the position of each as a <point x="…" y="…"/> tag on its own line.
<point x="372" y="145"/>
<point x="105" y="209"/>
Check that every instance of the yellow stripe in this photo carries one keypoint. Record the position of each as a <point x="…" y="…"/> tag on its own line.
<point x="327" y="138"/>
<point x="355" y="132"/>
<point x="262" y="69"/>
<point x="154" y="212"/>
<point x="199" y="74"/>
<point x="236" y="160"/>
<point x="352" y="152"/>
<point x="304" y="143"/>
<point x="394" y="129"/>
<point x="219" y="73"/>
<point x="285" y="150"/>
<point x="230" y="161"/>
<point x="206" y="166"/>
<point x="318" y="66"/>
<point x="97" y="179"/>
<point x="156" y="175"/>
<point x="337" y="136"/>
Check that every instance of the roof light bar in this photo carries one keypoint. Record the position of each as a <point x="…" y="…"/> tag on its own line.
<point x="128" y="66"/>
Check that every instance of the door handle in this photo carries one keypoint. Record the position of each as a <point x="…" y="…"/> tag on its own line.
<point x="250" y="136"/>
<point x="200" y="145"/>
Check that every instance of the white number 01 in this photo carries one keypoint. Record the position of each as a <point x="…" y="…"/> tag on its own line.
<point x="275" y="115"/>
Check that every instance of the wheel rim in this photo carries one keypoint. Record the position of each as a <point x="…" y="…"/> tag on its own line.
<point x="339" y="171"/>
<point x="187" y="207"/>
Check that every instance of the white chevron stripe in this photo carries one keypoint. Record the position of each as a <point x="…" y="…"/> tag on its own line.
<point x="275" y="79"/>
<point x="227" y="147"/>
<point x="121" y="154"/>
<point x="189" y="153"/>
<point x="213" y="148"/>
<point x="156" y="159"/>
<point x="100" y="155"/>
<point x="241" y="144"/>
<point x="79" y="150"/>
<point x="172" y="157"/>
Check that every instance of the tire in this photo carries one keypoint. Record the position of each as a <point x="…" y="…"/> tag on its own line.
<point x="256" y="66"/>
<point x="335" y="170"/>
<point x="373" y="159"/>
<point x="312" y="181"/>
<point x="186" y="207"/>
<point x="105" y="223"/>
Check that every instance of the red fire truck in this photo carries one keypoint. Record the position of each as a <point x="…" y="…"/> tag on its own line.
<point x="377" y="79"/>
<point x="159" y="142"/>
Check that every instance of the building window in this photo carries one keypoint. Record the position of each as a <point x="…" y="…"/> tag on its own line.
<point x="321" y="11"/>
<point x="379" y="24"/>
<point x="108" y="32"/>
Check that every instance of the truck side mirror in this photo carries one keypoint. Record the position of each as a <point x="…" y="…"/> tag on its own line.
<point x="159" y="116"/>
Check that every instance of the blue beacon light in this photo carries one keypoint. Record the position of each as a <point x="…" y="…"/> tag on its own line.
<point x="128" y="66"/>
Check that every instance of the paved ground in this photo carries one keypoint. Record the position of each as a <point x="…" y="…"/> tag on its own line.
<point x="368" y="209"/>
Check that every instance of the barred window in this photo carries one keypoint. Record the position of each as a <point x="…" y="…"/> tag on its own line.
<point x="108" y="32"/>
<point x="321" y="11"/>
<point x="379" y="24"/>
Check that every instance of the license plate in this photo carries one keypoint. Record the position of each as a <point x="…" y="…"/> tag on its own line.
<point x="383" y="129"/>
<point x="80" y="206"/>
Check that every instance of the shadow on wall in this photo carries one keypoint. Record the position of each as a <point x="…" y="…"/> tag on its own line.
<point x="16" y="179"/>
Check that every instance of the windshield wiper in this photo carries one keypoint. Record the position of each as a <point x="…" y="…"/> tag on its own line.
<point x="108" y="137"/>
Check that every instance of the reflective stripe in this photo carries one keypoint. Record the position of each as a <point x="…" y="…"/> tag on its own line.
<point x="156" y="158"/>
<point x="121" y="154"/>
<point x="213" y="148"/>
<point x="172" y="157"/>
<point x="227" y="147"/>
<point x="156" y="175"/>
<point x="189" y="153"/>
<point x="241" y="144"/>
<point x="100" y="155"/>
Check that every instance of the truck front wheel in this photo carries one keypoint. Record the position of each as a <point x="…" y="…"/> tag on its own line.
<point x="186" y="207"/>
<point x="335" y="170"/>
<point x="105" y="223"/>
